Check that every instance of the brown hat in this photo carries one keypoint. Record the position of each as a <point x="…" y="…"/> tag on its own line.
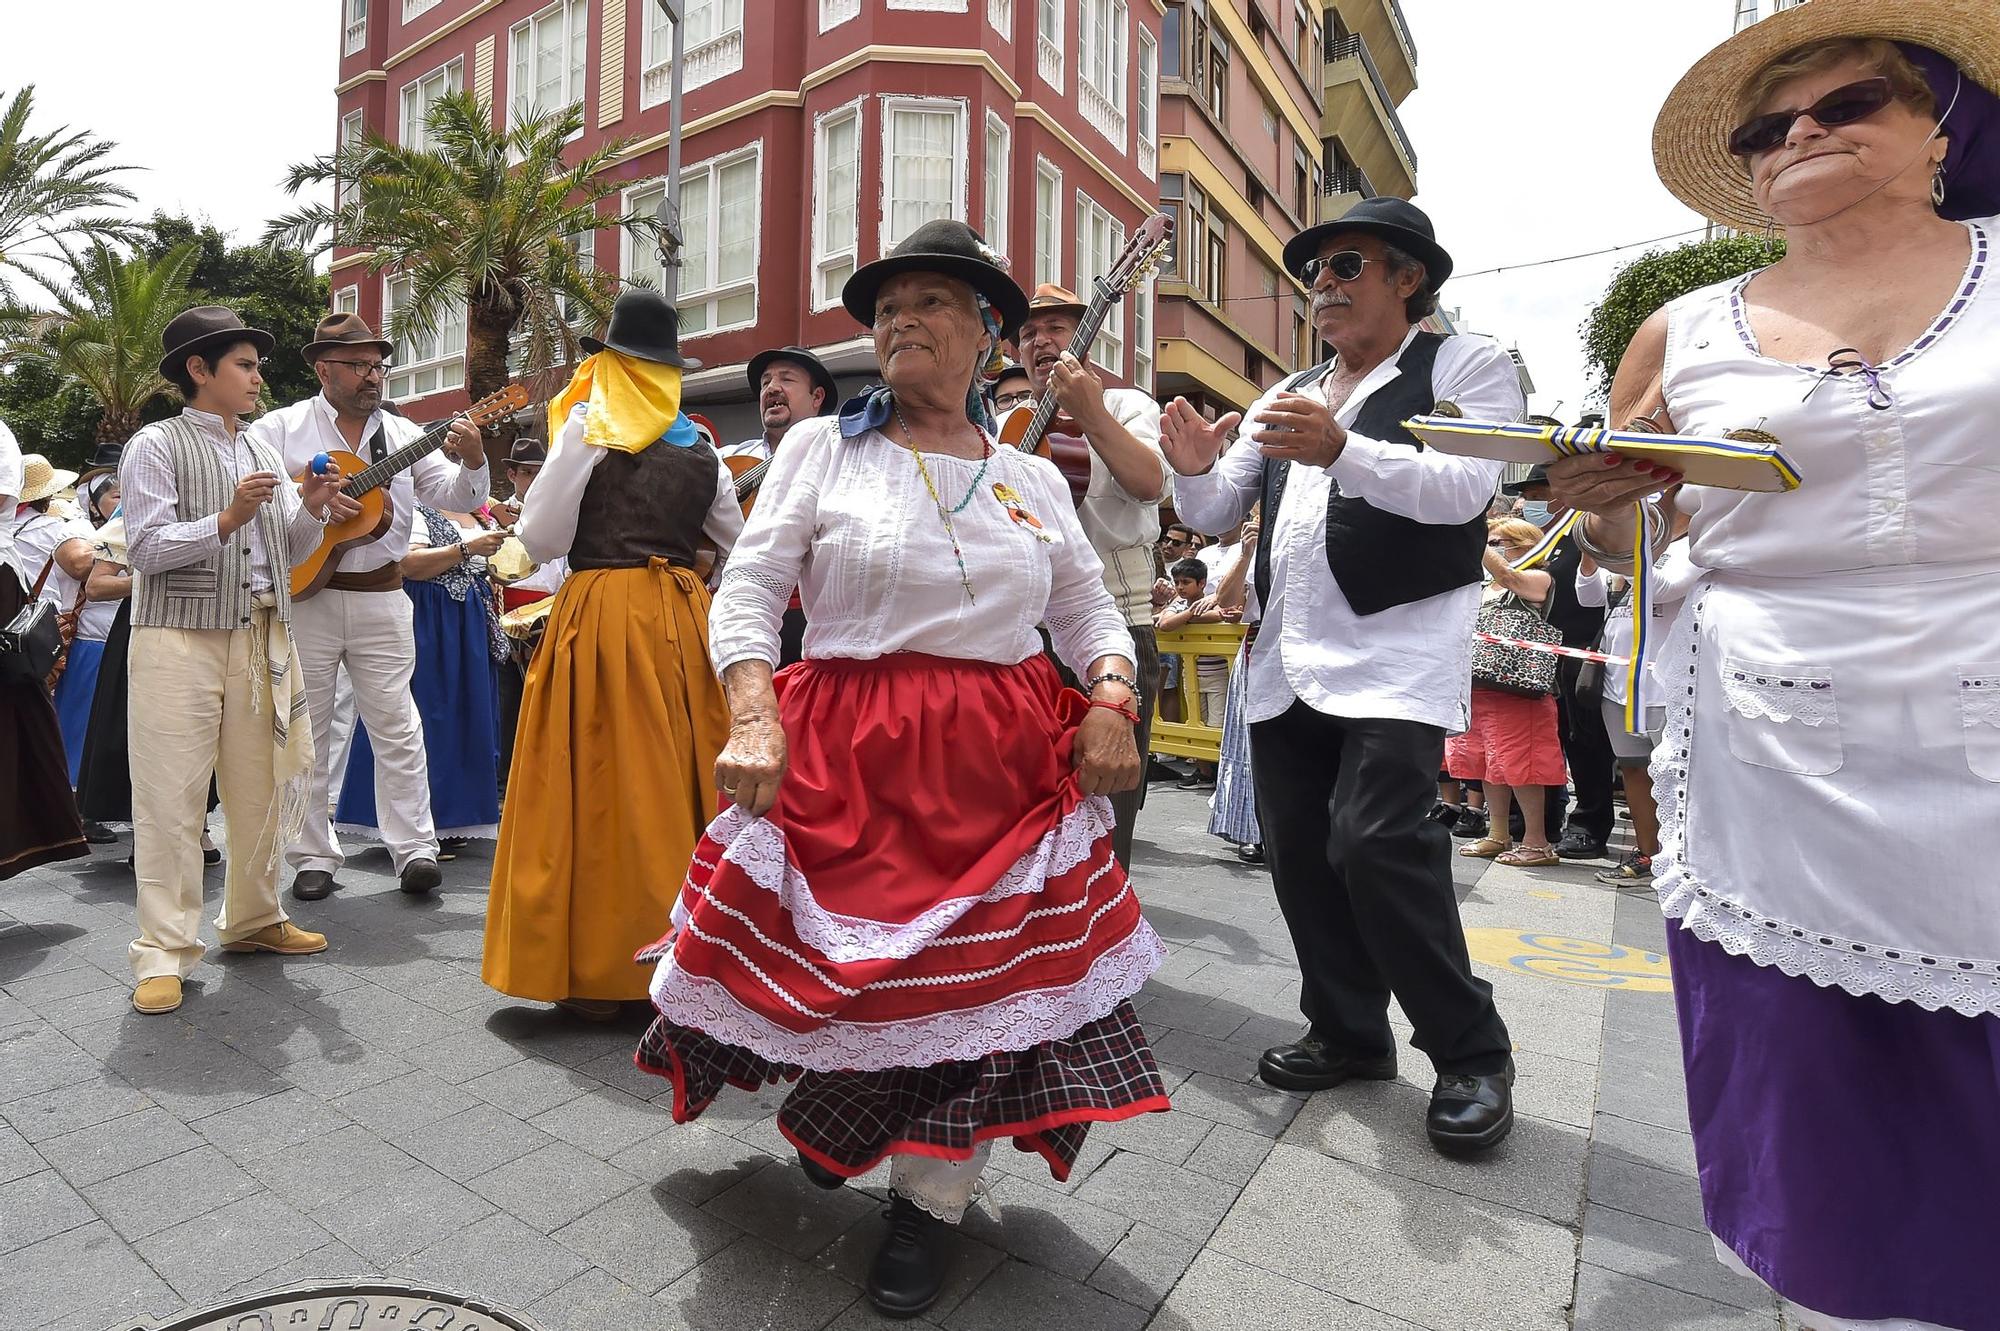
<point x="1049" y="296"/>
<point x="341" y="330"/>
<point x="203" y="326"/>
<point x="527" y="453"/>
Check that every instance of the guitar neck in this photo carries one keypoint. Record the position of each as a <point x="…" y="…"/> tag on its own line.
<point x="751" y="479"/>
<point x="1087" y="328"/>
<point x="380" y="473"/>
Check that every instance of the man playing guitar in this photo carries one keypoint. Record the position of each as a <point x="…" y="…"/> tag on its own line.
<point x="351" y="622"/>
<point x="1117" y="476"/>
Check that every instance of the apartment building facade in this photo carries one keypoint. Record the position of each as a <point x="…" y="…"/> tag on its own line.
<point x="816" y="135"/>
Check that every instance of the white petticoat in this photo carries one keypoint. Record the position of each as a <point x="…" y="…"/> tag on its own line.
<point x="1829" y="778"/>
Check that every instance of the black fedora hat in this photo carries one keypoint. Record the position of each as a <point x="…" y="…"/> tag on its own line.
<point x="205" y="326"/>
<point x="341" y="330"/>
<point x="953" y="249"/>
<point x="821" y="376"/>
<point x="645" y="326"/>
<point x="104" y="459"/>
<point x="527" y="453"/>
<point x="1396" y="221"/>
<point x="1537" y="475"/>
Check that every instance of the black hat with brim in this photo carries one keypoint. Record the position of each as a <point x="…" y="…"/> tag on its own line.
<point x="952" y="249"/>
<point x="1537" y="475"/>
<point x="1398" y="222"/>
<point x="644" y="326"/>
<point x="207" y="326"/>
<point x="821" y="376"/>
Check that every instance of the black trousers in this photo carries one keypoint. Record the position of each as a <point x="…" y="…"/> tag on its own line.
<point x="1126" y="806"/>
<point x="1586" y="749"/>
<point x="513" y="676"/>
<point x="1364" y="879"/>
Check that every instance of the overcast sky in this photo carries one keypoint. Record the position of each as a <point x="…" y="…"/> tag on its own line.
<point x="1532" y="124"/>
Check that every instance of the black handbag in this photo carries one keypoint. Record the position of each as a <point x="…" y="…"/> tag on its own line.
<point x="32" y="642"/>
<point x="1508" y="668"/>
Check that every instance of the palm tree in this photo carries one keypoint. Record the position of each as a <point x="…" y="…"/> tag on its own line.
<point x="50" y="188"/>
<point x="104" y="333"/>
<point x="482" y="218"/>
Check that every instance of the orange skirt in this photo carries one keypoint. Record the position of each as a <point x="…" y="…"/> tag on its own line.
<point x="613" y="780"/>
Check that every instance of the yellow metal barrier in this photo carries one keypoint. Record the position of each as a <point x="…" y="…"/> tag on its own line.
<point x="1190" y="738"/>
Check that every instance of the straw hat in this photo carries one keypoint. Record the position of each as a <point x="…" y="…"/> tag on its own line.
<point x="39" y="480"/>
<point x="1690" y="138"/>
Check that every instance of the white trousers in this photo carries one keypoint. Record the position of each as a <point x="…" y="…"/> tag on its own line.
<point x="191" y="717"/>
<point x="370" y="634"/>
<point x="945" y="1188"/>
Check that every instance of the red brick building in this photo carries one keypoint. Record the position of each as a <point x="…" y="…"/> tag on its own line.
<point x="816" y="134"/>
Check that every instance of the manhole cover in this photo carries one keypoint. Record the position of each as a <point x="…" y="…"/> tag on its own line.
<point x="358" y="1306"/>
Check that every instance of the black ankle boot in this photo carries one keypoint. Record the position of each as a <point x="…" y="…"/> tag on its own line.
<point x="908" y="1273"/>
<point x="819" y="1175"/>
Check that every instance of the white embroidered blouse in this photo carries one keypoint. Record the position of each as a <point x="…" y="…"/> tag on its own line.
<point x="850" y="523"/>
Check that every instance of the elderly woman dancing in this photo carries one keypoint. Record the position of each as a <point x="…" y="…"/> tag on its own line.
<point x="1831" y="759"/>
<point x="912" y="907"/>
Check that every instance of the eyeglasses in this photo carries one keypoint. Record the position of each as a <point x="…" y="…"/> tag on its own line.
<point x="363" y="369"/>
<point x="1842" y="106"/>
<point x="1345" y="266"/>
<point x="1006" y="401"/>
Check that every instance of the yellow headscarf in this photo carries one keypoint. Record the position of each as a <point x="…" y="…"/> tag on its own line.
<point x="632" y="401"/>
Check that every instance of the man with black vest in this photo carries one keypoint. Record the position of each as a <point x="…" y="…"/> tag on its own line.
<point x="1369" y="574"/>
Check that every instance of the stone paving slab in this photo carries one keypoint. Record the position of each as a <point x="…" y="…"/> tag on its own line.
<point x="378" y="1110"/>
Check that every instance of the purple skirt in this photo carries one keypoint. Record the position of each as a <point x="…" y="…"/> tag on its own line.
<point x="1849" y="1148"/>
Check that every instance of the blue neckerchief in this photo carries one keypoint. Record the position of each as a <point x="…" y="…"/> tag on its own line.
<point x="681" y="434"/>
<point x="868" y="410"/>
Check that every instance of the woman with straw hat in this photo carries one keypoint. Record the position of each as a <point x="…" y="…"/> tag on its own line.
<point x="912" y="909"/>
<point x="1832" y="753"/>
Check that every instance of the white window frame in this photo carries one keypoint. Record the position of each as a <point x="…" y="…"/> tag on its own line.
<point x="1094" y="260"/>
<point x="717" y="53"/>
<point x="576" y="67"/>
<point x="355" y="35"/>
<point x="1103" y="73"/>
<point x="1147" y="95"/>
<point x="402" y="379"/>
<point x="704" y="289"/>
<point x="1048" y="223"/>
<point x="1142" y="334"/>
<point x="656" y="57"/>
<point x="1048" y="41"/>
<point x="996" y="163"/>
<point x="347" y="300"/>
<point x="352" y="127"/>
<point x="628" y="241"/>
<point x="410" y="129"/>
<point x="413" y="8"/>
<point x="1000" y="17"/>
<point x="960" y="160"/>
<point x="833" y="13"/>
<point x="826" y="294"/>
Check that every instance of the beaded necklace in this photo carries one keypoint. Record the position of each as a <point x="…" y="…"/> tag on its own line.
<point x="945" y="514"/>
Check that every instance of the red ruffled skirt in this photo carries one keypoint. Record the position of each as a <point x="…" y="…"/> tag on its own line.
<point x="928" y="933"/>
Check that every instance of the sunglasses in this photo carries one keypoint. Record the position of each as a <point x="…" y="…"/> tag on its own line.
<point x="1345" y="266"/>
<point x="1842" y="106"/>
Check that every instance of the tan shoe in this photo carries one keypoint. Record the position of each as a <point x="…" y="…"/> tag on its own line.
<point x="284" y="937"/>
<point x="157" y="994"/>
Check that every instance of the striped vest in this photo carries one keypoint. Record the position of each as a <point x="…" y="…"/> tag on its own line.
<point x="214" y="593"/>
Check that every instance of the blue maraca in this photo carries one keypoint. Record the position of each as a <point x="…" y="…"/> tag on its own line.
<point x="321" y="464"/>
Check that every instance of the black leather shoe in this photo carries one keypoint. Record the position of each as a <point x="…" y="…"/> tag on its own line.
<point x="1251" y="852"/>
<point x="908" y="1273"/>
<point x="1310" y="1064"/>
<point x="420" y="876"/>
<point x="97" y="834"/>
<point x="819" y="1175"/>
<point x="1577" y="844"/>
<point x="313" y="885"/>
<point x="1471" y="1114"/>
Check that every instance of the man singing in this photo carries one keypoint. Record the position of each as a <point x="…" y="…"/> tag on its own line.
<point x="212" y="527"/>
<point x="1369" y="574"/>
<point x="1117" y="477"/>
<point x="791" y="385"/>
<point x="352" y="621"/>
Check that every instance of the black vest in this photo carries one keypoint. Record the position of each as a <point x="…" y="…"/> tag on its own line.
<point x="1380" y="559"/>
<point x="643" y="506"/>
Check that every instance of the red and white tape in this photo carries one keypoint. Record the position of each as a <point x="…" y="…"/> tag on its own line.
<point x="1552" y="649"/>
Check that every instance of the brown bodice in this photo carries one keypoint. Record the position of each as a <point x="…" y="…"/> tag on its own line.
<point x="644" y="506"/>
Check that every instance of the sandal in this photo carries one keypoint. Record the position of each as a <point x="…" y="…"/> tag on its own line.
<point x="1529" y="857"/>
<point x="1485" y="848"/>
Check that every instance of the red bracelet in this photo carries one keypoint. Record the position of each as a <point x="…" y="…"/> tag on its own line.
<point x="1125" y="710"/>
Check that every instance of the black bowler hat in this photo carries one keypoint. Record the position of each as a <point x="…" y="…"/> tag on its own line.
<point x="527" y="453"/>
<point x="1396" y="221"/>
<point x="207" y="326"/>
<point x="104" y="459"/>
<point x="952" y="249"/>
<point x="821" y="376"/>
<point x="1537" y="475"/>
<point x="644" y="326"/>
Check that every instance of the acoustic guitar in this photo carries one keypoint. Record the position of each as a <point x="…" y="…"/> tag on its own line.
<point x="1043" y="429"/>
<point x="748" y="473"/>
<point x="367" y="482"/>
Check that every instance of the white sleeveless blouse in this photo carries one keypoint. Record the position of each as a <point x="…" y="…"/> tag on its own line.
<point x="1829" y="776"/>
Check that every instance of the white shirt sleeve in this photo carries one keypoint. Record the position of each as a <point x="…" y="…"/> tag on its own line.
<point x="448" y="486"/>
<point x="156" y="539"/>
<point x="723" y="526"/>
<point x="1223" y="496"/>
<point x="1427" y="485"/>
<point x="548" y="515"/>
<point x="1084" y="621"/>
<point x="1591" y="588"/>
<point x="768" y="557"/>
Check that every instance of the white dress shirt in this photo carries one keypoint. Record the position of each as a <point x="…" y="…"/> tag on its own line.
<point x="850" y="523"/>
<point x="548" y="515"/>
<point x="1410" y="662"/>
<point x="307" y="428"/>
<point x="749" y="448"/>
<point x="10" y="492"/>
<point x="155" y="537"/>
<point x="94" y="622"/>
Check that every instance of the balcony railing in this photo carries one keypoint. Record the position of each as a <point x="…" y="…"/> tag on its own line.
<point x="1403" y="32"/>
<point x="1347" y="180"/>
<point x="1049" y="61"/>
<point x="1351" y="47"/>
<point x="356" y="36"/>
<point x="1107" y="119"/>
